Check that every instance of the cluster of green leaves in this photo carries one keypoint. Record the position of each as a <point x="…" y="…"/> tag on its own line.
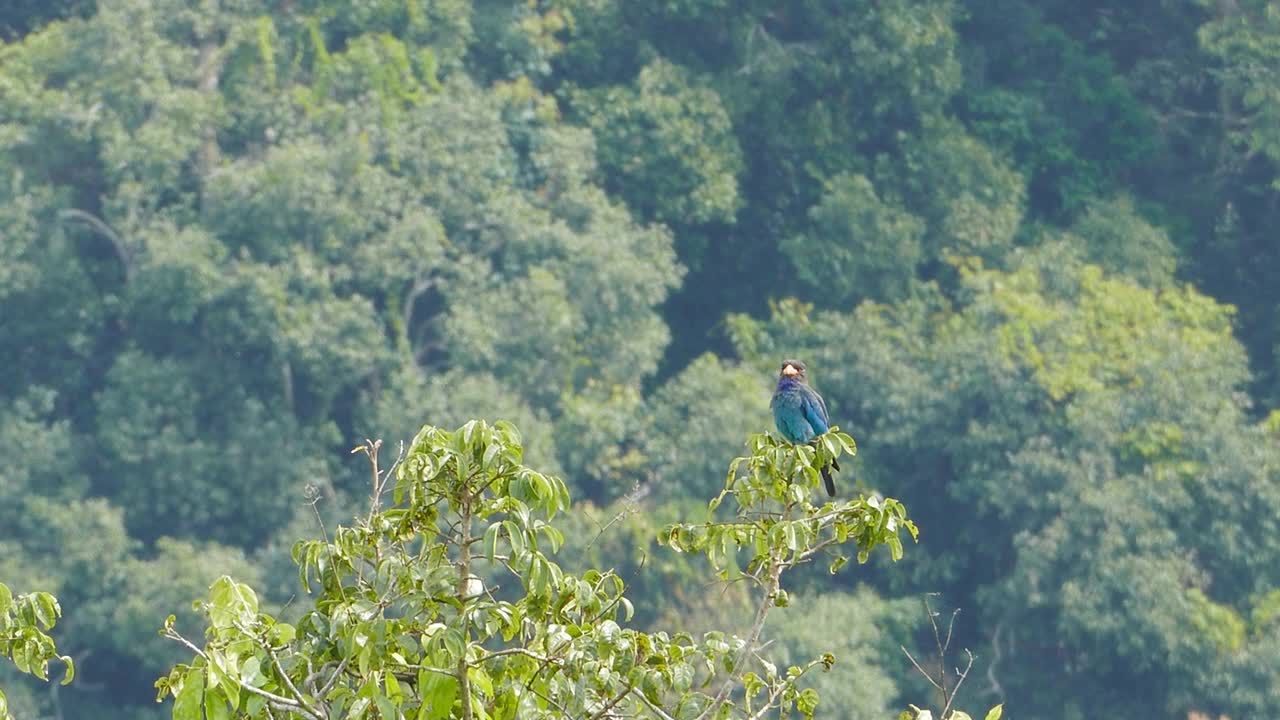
<point x="24" y="623"/>
<point x="768" y="475"/>
<point x="447" y="603"/>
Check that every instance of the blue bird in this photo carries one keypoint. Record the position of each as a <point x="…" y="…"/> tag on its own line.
<point x="800" y="413"/>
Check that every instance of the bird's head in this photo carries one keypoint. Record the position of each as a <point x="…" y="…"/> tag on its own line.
<point x="793" y="369"/>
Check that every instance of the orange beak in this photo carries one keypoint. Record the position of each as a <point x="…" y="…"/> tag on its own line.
<point x="790" y="371"/>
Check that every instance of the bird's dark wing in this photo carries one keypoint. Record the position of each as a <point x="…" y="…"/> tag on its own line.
<point x="815" y="410"/>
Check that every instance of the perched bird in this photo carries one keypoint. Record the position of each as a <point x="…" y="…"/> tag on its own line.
<point x="800" y="413"/>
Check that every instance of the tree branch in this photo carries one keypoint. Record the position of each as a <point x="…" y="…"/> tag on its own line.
<point x="613" y="703"/>
<point x="656" y="710"/>
<point x="103" y="229"/>
<point x="960" y="676"/>
<point x="776" y="566"/>
<point x="464" y="577"/>
<point x="280" y="701"/>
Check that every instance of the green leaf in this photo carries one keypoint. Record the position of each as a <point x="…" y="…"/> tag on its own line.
<point x="807" y="702"/>
<point x="251" y="672"/>
<point x="480" y="679"/>
<point x="491" y="541"/>
<point x="996" y="712"/>
<point x="47" y="610"/>
<point x="70" y="674"/>
<point x="681" y="677"/>
<point x="283" y="633"/>
<point x="385" y="707"/>
<point x="454" y="644"/>
<point x="215" y="704"/>
<point x="190" y="699"/>
<point x="393" y="687"/>
<point x="895" y="548"/>
<point x="438" y="692"/>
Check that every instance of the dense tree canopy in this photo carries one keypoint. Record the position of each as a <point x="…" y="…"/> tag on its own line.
<point x="1025" y="247"/>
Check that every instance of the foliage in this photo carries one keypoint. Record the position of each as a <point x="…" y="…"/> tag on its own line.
<point x="24" y="621"/>
<point x="667" y="145"/>
<point x="1026" y="248"/>
<point x="858" y="628"/>
<point x="970" y="200"/>
<point x="712" y="404"/>
<point x="860" y="246"/>
<point x="1076" y="407"/>
<point x="403" y="623"/>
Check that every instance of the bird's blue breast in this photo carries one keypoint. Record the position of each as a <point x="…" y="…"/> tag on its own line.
<point x="797" y="412"/>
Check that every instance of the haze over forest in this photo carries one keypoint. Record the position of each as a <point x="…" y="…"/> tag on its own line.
<point x="1026" y="248"/>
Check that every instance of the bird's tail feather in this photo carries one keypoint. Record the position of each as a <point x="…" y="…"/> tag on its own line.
<point x="826" y="478"/>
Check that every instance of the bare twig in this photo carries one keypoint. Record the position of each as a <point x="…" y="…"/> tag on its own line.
<point x="960" y="676"/>
<point x="628" y="509"/>
<point x="937" y="639"/>
<point x="922" y="671"/>
<point x="371" y="448"/>
<point x="946" y="691"/>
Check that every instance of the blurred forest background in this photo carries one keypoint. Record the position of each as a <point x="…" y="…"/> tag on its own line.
<point x="1026" y="247"/>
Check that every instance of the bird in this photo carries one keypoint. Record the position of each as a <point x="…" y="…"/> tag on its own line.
<point x="800" y="413"/>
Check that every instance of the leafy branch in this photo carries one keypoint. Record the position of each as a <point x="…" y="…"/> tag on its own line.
<point x="778" y="527"/>
<point x="24" y="623"/>
<point x="444" y="600"/>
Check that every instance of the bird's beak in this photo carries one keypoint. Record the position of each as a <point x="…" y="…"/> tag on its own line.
<point x="790" y="371"/>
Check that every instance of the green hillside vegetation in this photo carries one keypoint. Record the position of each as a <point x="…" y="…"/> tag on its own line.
<point x="1026" y="248"/>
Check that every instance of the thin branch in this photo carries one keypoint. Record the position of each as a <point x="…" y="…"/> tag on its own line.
<point x="766" y="603"/>
<point x="959" y="681"/>
<point x="288" y="682"/>
<point x="309" y="681"/>
<point x="280" y="701"/>
<point x="613" y="703"/>
<point x="428" y="668"/>
<point x="808" y="554"/>
<point x="464" y="577"/>
<point x="950" y="627"/>
<point x="923" y="672"/>
<point x="371" y="448"/>
<point x="630" y="509"/>
<point x="518" y="651"/>
<point x="550" y="701"/>
<point x="105" y="230"/>
<point x="656" y="710"/>
<point x="781" y="688"/>
<point x="314" y="675"/>
<point x="937" y="638"/>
